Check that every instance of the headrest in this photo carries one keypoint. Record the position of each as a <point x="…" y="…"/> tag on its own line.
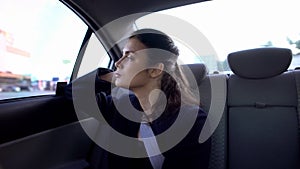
<point x="260" y="63"/>
<point x="199" y="70"/>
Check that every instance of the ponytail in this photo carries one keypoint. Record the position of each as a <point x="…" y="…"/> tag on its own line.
<point x="189" y="95"/>
<point x="177" y="90"/>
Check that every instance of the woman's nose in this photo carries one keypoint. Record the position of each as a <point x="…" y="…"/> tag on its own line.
<point x="118" y="63"/>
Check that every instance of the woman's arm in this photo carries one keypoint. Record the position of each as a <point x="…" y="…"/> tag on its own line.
<point x="100" y="77"/>
<point x="107" y="77"/>
<point x="90" y="88"/>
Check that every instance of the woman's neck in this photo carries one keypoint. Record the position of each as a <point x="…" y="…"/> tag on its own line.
<point x="147" y="96"/>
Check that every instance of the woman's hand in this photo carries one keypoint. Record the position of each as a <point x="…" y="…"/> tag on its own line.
<point x="109" y="77"/>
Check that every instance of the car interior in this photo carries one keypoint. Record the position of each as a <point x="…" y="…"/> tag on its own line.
<point x="258" y="125"/>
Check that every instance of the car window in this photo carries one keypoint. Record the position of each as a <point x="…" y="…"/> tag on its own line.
<point x="39" y="43"/>
<point x="247" y="24"/>
<point x="94" y="56"/>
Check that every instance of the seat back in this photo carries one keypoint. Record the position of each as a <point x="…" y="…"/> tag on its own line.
<point x="262" y="110"/>
<point x="205" y="82"/>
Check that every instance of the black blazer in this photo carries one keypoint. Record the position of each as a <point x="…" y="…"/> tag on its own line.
<point x="188" y="153"/>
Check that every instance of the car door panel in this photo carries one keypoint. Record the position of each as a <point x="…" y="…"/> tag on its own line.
<point x="42" y="132"/>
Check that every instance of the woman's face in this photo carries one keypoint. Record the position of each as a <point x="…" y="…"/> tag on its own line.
<point x="131" y="70"/>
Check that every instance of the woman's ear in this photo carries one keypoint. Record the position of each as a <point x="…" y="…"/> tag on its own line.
<point x="156" y="71"/>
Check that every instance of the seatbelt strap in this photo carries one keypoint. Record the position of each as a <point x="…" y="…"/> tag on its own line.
<point x="297" y="77"/>
<point x="151" y="146"/>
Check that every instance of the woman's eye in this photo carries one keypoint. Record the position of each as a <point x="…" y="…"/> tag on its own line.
<point x="130" y="57"/>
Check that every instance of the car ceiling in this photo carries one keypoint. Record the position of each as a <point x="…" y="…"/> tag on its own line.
<point x="99" y="14"/>
<point x="105" y="11"/>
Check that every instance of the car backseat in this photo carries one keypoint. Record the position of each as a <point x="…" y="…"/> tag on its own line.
<point x="262" y="110"/>
<point x="260" y="123"/>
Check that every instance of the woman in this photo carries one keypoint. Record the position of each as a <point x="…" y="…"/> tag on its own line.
<point x="149" y="69"/>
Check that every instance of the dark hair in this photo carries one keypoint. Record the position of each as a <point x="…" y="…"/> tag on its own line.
<point x="174" y="84"/>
